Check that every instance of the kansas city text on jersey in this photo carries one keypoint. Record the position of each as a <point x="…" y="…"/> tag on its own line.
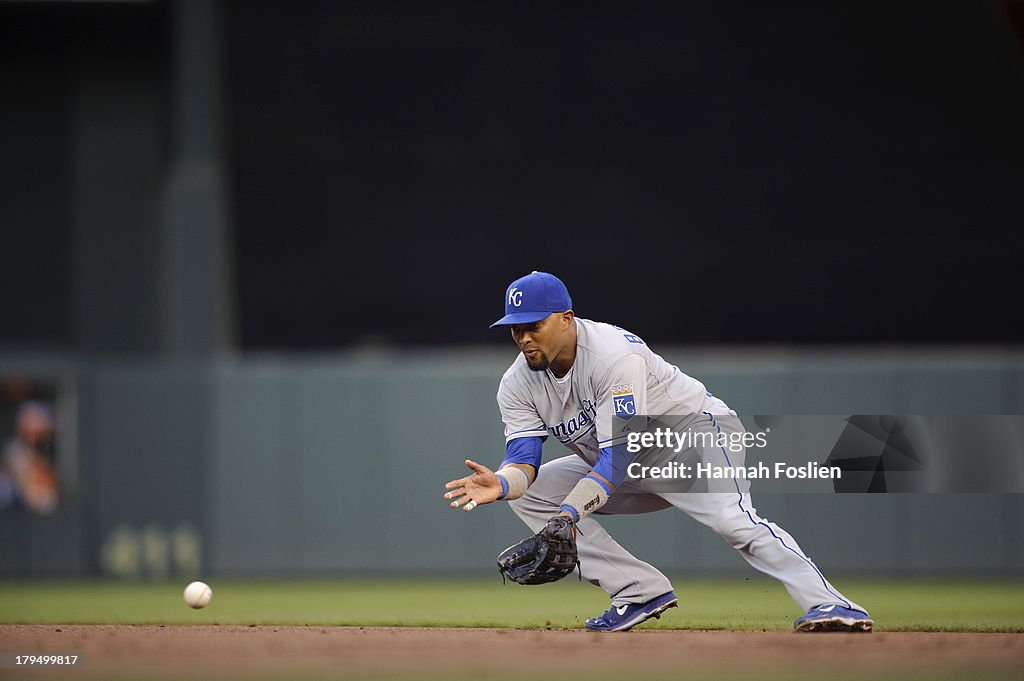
<point x="566" y="429"/>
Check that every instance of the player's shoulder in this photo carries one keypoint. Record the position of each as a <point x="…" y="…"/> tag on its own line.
<point x="605" y="344"/>
<point x="518" y="377"/>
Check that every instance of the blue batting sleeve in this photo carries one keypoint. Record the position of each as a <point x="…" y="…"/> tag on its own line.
<point x="612" y="464"/>
<point x="523" y="450"/>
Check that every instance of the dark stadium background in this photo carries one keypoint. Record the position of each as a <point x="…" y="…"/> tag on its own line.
<point x="698" y="172"/>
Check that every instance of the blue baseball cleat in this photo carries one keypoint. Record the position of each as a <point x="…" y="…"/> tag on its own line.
<point x="625" y="617"/>
<point x="834" y="617"/>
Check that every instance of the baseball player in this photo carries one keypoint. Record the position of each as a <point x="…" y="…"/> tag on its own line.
<point x="572" y="379"/>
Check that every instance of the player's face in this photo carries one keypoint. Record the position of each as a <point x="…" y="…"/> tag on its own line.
<point x="543" y="342"/>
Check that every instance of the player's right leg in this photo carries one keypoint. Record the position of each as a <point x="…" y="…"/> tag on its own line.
<point x="628" y="580"/>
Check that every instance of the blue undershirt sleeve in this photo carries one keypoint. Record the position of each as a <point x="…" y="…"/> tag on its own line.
<point x="612" y="464"/>
<point x="524" y="450"/>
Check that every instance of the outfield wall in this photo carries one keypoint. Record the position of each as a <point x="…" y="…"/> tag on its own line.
<point x="335" y="465"/>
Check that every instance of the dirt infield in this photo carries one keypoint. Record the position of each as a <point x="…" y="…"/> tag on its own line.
<point x="277" y="652"/>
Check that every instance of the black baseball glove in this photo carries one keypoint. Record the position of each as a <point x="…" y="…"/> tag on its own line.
<point x="545" y="557"/>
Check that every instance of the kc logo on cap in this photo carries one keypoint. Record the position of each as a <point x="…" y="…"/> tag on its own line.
<point x="532" y="298"/>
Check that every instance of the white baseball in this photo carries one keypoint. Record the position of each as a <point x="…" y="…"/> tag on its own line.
<point x="198" y="594"/>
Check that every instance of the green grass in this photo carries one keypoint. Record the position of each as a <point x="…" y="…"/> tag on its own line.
<point x="737" y="603"/>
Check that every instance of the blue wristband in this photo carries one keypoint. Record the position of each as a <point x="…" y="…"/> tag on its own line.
<point x="572" y="511"/>
<point x="504" y="487"/>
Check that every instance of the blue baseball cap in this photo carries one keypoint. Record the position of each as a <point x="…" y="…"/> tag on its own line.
<point x="532" y="298"/>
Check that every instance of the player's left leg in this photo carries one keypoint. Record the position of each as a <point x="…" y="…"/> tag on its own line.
<point x="765" y="545"/>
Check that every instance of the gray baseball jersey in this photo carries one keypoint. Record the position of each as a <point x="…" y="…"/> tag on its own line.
<point x="615" y="374"/>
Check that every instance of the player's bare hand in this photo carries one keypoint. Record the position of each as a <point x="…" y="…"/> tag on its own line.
<point x="482" y="487"/>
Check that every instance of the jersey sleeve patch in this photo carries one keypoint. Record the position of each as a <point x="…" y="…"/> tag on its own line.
<point x="623" y="400"/>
